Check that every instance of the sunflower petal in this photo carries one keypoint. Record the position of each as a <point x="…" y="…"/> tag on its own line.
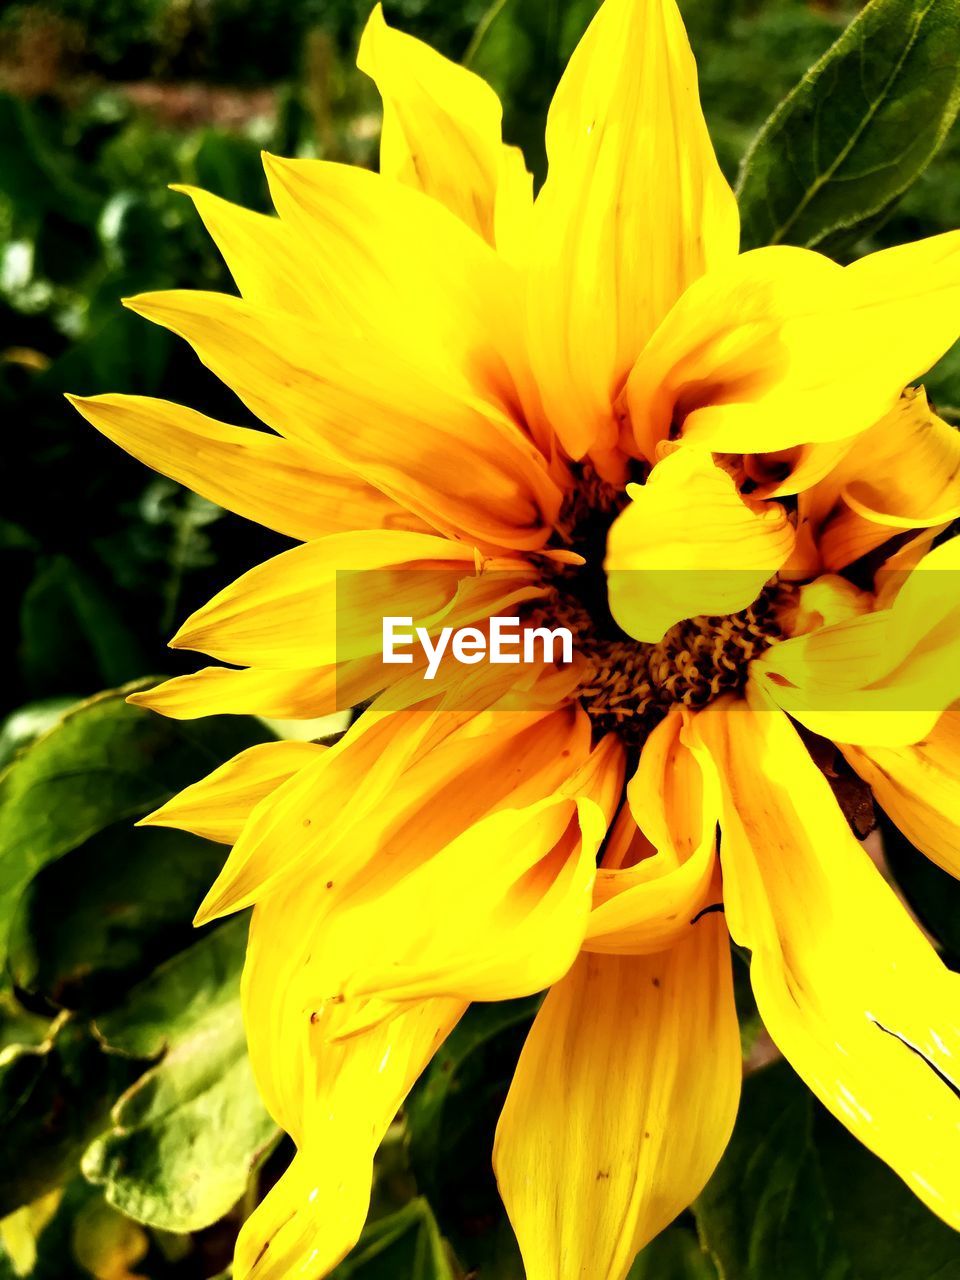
<point x="268" y="263"/>
<point x="280" y="695"/>
<point x="688" y="545"/>
<point x="368" y="791"/>
<point x="881" y="678"/>
<point x="904" y="473"/>
<point x="510" y="932"/>
<point x="409" y="276"/>
<point x="337" y="1099"/>
<point x="918" y="786"/>
<point x="659" y="868"/>
<point x="441" y="124"/>
<point x="457" y="463"/>
<point x="622" y="1103"/>
<point x="634" y="208"/>
<point x="217" y="807"/>
<point x="279" y="483"/>
<point x="322" y="602"/>
<point x="846" y="983"/>
<point x="782" y="347"/>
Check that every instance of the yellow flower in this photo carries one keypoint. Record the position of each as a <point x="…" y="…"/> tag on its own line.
<point x="590" y="409"/>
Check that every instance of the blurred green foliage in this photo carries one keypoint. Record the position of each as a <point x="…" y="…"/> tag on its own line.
<point x="103" y="103"/>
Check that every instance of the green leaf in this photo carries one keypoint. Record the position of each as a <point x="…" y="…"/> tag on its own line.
<point x="859" y="128"/>
<point x="188" y="1134"/>
<point x="796" y="1196"/>
<point x="451" y="1117"/>
<point x="521" y="48"/>
<point x="103" y="763"/>
<point x="72" y="635"/>
<point x="102" y="916"/>
<point x="54" y="1098"/>
<point x="676" y="1254"/>
<point x="27" y="723"/>
<point x="765" y="1212"/>
<point x="406" y="1243"/>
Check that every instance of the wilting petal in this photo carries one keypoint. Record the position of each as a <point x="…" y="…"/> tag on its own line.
<point x="782" y="347"/>
<point x="846" y="983"/>
<point x="881" y="678"/>
<point x="456" y="462"/>
<point x="634" y="208"/>
<point x="658" y="870"/>
<point x="622" y="1103"/>
<point x="441" y="124"/>
<point x="689" y="545"/>
<point x="517" y="928"/>
<point x="218" y="805"/>
<point x="323" y="919"/>
<point x="510" y="930"/>
<point x="919" y="787"/>
<point x="279" y="483"/>
<point x="336" y="1099"/>
<point x="904" y="473"/>
<point x="372" y="788"/>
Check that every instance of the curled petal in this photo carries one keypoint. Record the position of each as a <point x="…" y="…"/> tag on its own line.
<point x="782" y="347"/>
<point x="918" y="786"/>
<point x="689" y="545"/>
<point x="658" y="873"/>
<point x="880" y="678"/>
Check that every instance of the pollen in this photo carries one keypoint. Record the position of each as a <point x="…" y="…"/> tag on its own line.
<point x="629" y="686"/>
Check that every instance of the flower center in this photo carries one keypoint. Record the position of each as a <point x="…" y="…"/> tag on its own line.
<point x="629" y="686"/>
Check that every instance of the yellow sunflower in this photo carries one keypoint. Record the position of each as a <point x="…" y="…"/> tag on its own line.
<point x="588" y="409"/>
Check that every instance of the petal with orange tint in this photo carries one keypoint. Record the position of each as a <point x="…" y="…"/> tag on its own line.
<point x="281" y="484"/>
<point x="456" y="462"/>
<point x="217" y="807"/>
<point x="509" y="931"/>
<point x="689" y="545"/>
<point x="516" y="928"/>
<point x="622" y="1103"/>
<point x="846" y="983"/>
<point x="409" y="276"/>
<point x="904" y="473"/>
<point x="782" y="347"/>
<point x="881" y="678"/>
<point x="371" y="789"/>
<point x="658" y="872"/>
<point x="634" y="208"/>
<point x="918" y="786"/>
